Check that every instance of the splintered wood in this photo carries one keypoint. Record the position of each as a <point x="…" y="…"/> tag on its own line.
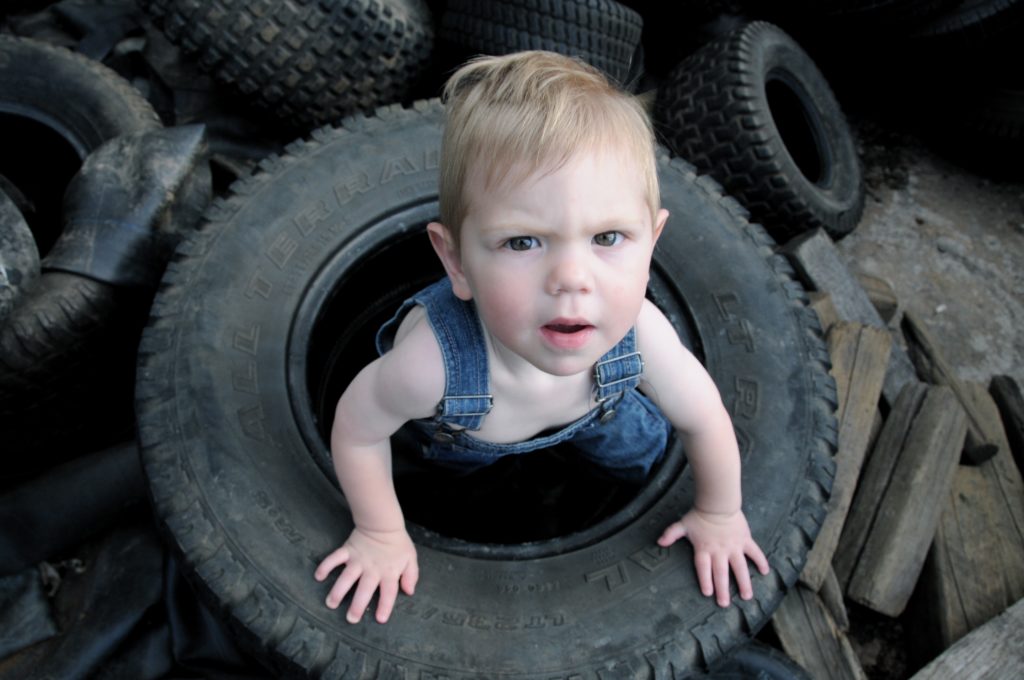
<point x="895" y="511"/>
<point x="860" y="356"/>
<point x="927" y="504"/>
<point x="975" y="567"/>
<point x="993" y="652"/>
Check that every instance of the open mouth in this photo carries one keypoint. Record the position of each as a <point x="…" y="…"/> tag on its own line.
<point x="567" y="333"/>
<point x="567" y="328"/>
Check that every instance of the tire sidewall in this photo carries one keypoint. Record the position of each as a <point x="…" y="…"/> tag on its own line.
<point x="776" y="56"/>
<point x="236" y="486"/>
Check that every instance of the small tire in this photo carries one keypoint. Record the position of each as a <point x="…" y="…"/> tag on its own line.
<point x="263" y="318"/>
<point x="60" y="346"/>
<point x="308" y="62"/>
<point x="603" y="33"/>
<point x="752" y="110"/>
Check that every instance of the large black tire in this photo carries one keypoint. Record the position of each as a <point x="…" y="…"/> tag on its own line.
<point x="752" y="110"/>
<point x="269" y="310"/>
<point x="59" y="343"/>
<point x="308" y="62"/>
<point x="603" y="33"/>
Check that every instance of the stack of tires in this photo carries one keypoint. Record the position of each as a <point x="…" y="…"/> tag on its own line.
<point x="269" y="304"/>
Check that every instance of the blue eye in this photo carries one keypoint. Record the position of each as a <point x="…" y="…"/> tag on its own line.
<point x="608" y="238"/>
<point x="520" y="243"/>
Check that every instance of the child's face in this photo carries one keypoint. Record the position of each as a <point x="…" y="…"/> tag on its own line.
<point x="558" y="263"/>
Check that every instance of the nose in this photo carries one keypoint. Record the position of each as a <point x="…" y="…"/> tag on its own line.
<point x="569" y="273"/>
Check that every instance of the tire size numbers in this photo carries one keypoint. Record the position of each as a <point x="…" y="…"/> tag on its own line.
<point x="457" y="618"/>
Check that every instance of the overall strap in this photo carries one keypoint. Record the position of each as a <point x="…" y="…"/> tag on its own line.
<point x="456" y="326"/>
<point x="618" y="371"/>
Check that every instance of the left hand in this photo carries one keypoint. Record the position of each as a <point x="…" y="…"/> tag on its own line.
<point x="720" y="542"/>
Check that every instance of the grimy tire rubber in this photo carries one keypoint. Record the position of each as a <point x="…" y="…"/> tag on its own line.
<point x="603" y="33"/>
<point x="19" y="257"/>
<point x="59" y="342"/>
<point x="308" y="62"/>
<point x="253" y="337"/>
<point x="752" y="110"/>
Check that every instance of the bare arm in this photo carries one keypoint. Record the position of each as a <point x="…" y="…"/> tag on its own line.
<point x="686" y="394"/>
<point x="404" y="384"/>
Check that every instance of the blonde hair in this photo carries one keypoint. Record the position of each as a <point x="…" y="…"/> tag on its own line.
<point x="528" y="110"/>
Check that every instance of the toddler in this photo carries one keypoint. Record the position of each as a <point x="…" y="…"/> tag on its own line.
<point x="540" y="333"/>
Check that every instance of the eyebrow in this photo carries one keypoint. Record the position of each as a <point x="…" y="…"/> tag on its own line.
<point x="603" y="226"/>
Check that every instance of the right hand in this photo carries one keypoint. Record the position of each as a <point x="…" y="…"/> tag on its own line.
<point x="374" y="559"/>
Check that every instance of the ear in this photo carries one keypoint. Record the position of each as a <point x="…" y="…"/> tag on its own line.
<point x="659" y="223"/>
<point x="448" y="252"/>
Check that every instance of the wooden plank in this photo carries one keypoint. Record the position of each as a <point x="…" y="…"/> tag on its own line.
<point x="821" y="303"/>
<point x="881" y="294"/>
<point x="907" y="516"/>
<point x="962" y="584"/>
<point x="993" y="652"/>
<point x="974" y="567"/>
<point x="1005" y="479"/>
<point x="875" y="480"/>
<point x="933" y="368"/>
<point x="832" y="597"/>
<point x="811" y="638"/>
<point x="1006" y="393"/>
<point x="860" y="356"/>
<point x="816" y="259"/>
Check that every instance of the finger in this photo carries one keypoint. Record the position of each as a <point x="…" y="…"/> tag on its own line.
<point x="410" y="577"/>
<point x="386" y="602"/>
<point x="702" y="562"/>
<point x="757" y="556"/>
<point x="720" y="574"/>
<point x="672" y="533"/>
<point x="329" y="563"/>
<point x="341" y="587"/>
<point x="742" y="574"/>
<point x="361" y="598"/>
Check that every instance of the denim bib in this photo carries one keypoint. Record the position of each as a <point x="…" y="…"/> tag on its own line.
<point x="625" y="434"/>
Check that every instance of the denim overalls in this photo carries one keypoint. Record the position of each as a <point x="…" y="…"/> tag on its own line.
<point x="625" y="434"/>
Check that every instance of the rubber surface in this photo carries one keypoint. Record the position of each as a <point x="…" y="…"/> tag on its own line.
<point x="309" y="62"/>
<point x="752" y="110"/>
<point x="604" y="33"/>
<point x="57" y="344"/>
<point x="234" y="393"/>
<point x="19" y="257"/>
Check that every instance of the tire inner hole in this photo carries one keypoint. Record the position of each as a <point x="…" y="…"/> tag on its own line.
<point x="518" y="499"/>
<point x="36" y="166"/>
<point x="795" y="128"/>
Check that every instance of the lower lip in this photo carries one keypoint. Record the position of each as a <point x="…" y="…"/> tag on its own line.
<point x="573" y="340"/>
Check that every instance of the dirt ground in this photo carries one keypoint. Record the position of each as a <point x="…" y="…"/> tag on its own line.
<point x="949" y="238"/>
<point x="950" y="241"/>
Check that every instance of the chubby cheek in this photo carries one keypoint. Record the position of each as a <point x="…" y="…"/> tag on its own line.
<point x="504" y="306"/>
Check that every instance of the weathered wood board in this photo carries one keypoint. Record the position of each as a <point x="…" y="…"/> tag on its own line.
<point x="817" y="261"/>
<point x="975" y="566"/>
<point x="932" y="367"/>
<point x="860" y="357"/>
<point x="912" y="465"/>
<point x="993" y="652"/>
<point x="1006" y="393"/>
<point x="811" y="638"/>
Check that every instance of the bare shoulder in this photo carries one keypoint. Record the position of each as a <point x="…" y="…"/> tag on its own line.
<point x="656" y="337"/>
<point x="411" y="377"/>
<point x="673" y="377"/>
